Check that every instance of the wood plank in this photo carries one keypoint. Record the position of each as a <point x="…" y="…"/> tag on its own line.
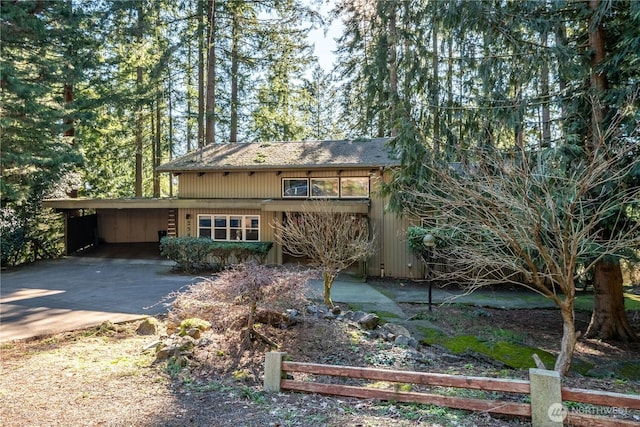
<point x="580" y="420"/>
<point x="422" y="378"/>
<point x="604" y="398"/>
<point x="492" y="406"/>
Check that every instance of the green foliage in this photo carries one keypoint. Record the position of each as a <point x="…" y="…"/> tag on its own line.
<point x="13" y="237"/>
<point x="193" y="254"/>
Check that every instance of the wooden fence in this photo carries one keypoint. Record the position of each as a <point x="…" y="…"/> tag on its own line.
<point x="544" y="388"/>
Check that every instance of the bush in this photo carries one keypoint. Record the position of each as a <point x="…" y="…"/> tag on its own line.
<point x="193" y="254"/>
<point x="241" y="297"/>
<point x="14" y="239"/>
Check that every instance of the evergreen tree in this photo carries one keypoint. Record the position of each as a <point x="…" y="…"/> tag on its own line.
<point x="36" y="156"/>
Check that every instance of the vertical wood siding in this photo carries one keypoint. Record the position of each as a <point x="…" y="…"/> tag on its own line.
<point x="392" y="250"/>
<point x="131" y="225"/>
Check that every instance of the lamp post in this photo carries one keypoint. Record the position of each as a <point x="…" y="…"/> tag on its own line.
<point x="429" y="242"/>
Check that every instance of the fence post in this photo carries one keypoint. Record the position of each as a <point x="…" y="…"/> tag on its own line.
<point x="273" y="371"/>
<point x="546" y="399"/>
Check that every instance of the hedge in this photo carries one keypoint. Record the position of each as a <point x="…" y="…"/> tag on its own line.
<point x="193" y="254"/>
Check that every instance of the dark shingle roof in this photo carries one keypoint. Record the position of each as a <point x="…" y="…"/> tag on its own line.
<point x="286" y="155"/>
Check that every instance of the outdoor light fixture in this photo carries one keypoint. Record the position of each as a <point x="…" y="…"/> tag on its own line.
<point x="429" y="242"/>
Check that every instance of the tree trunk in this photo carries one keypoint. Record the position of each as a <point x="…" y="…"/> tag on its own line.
<point x="328" y="283"/>
<point x="139" y="114"/>
<point x="393" y="71"/>
<point x="598" y="79"/>
<point x="210" y="116"/>
<point x="435" y="89"/>
<point x="569" y="338"/>
<point x="609" y="320"/>
<point x="201" y="94"/>
<point x="157" y="151"/>
<point x="235" y="27"/>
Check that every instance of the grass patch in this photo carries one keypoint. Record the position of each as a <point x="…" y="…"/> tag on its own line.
<point x="386" y="315"/>
<point x="584" y="302"/>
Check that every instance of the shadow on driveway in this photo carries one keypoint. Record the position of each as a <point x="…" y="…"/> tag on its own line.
<point x="54" y="296"/>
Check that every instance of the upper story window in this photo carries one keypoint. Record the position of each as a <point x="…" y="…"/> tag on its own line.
<point x="295" y="187"/>
<point x="229" y="227"/>
<point x="348" y="187"/>
<point x="354" y="187"/>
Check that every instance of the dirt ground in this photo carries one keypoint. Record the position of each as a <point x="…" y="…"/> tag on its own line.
<point x="109" y="375"/>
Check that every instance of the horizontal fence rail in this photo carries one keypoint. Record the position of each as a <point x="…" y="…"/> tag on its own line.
<point x="541" y="409"/>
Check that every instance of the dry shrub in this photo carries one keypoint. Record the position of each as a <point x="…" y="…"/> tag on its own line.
<point x="233" y="299"/>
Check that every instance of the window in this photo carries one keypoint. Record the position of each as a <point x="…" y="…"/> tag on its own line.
<point x="252" y="228"/>
<point x="295" y="187"/>
<point x="348" y="187"/>
<point x="354" y="187"/>
<point x="229" y="227"/>
<point x="204" y="226"/>
<point x="324" y="187"/>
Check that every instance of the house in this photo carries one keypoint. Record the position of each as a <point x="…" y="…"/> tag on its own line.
<point x="236" y="191"/>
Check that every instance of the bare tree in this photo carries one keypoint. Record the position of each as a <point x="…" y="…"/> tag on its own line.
<point x="332" y="240"/>
<point x="529" y="219"/>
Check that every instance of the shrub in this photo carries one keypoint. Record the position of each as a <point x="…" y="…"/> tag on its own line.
<point x="13" y="234"/>
<point x="193" y="254"/>
<point x="242" y="296"/>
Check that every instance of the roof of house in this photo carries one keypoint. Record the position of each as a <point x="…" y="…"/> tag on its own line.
<point x="286" y="155"/>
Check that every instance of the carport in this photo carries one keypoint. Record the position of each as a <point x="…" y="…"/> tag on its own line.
<point x="89" y="222"/>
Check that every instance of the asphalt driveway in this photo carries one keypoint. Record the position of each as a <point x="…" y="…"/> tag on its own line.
<point x="77" y="292"/>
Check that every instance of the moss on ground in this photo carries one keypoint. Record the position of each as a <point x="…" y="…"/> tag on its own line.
<point x="513" y="355"/>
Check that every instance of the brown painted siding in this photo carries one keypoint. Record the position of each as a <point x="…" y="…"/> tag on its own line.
<point x="393" y="253"/>
<point x="243" y="185"/>
<point x="131" y="225"/>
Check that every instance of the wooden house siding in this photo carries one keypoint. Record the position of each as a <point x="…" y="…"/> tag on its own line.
<point x="131" y="225"/>
<point x="392" y="253"/>
<point x="258" y="185"/>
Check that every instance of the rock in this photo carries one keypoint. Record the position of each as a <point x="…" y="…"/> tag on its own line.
<point x="329" y="315"/>
<point x="194" y="323"/>
<point x="395" y="330"/>
<point x="405" y="341"/>
<point x="148" y="326"/>
<point x="370" y="321"/>
<point x="194" y="333"/>
<point x="313" y="309"/>
<point x="450" y="358"/>
<point x="358" y="315"/>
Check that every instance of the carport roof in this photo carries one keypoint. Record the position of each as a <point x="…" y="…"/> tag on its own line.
<point x="286" y="155"/>
<point x="351" y="206"/>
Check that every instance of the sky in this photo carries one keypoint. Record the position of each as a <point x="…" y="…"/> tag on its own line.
<point x="325" y="44"/>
